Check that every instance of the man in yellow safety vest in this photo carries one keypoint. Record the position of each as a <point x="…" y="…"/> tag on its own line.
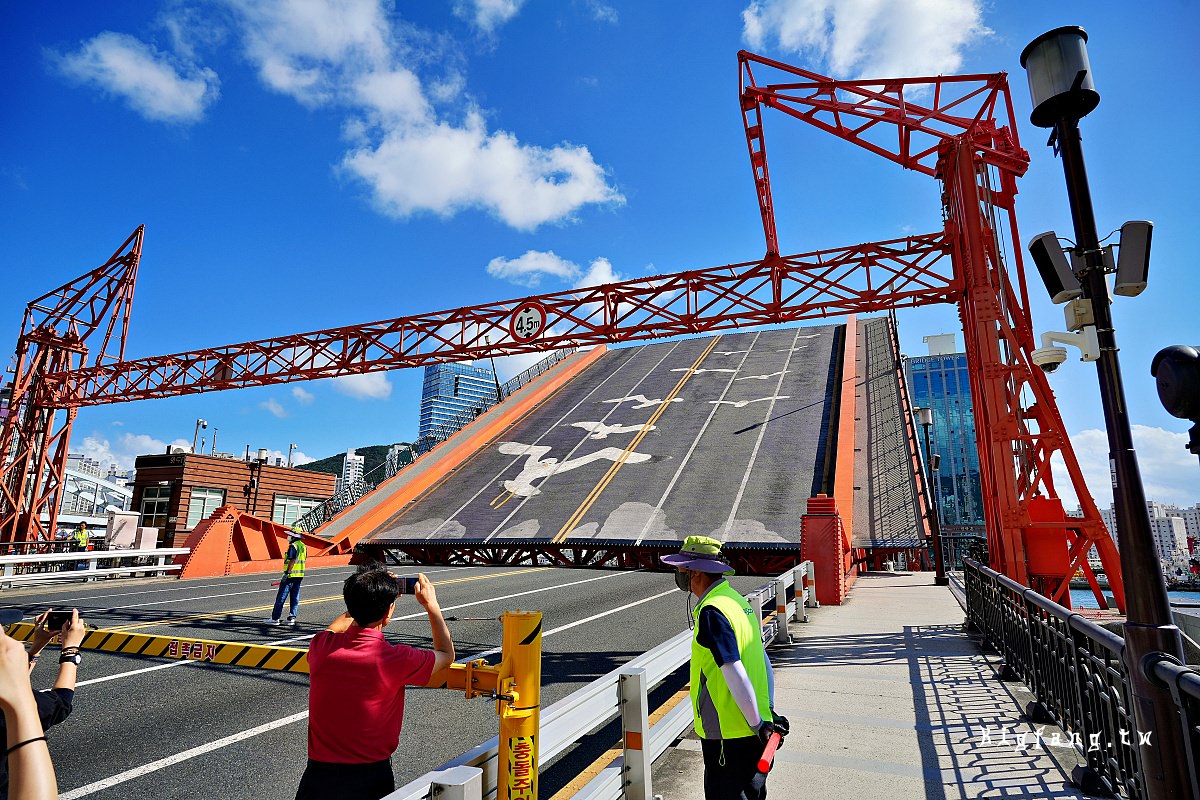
<point x="731" y="679"/>
<point x="293" y="574"/>
<point x="82" y="537"/>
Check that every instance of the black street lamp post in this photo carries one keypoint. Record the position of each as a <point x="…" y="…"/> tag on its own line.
<point x="1060" y="81"/>
<point x="925" y="416"/>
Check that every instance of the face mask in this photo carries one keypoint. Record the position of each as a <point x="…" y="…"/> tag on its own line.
<point x="684" y="581"/>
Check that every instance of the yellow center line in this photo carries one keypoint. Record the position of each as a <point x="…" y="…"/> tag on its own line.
<point x="599" y="488"/>
<point x="251" y="609"/>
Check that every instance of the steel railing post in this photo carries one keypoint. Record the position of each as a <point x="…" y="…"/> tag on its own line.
<point x="635" y="727"/>
<point x="781" y="605"/>
<point x="458" y="783"/>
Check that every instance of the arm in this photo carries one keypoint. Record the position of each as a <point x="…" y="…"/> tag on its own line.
<point x="31" y="773"/>
<point x="289" y="560"/>
<point x="341" y="623"/>
<point x="443" y="645"/>
<point x="743" y="693"/>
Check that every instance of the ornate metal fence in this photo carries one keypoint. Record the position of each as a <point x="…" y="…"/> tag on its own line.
<point x="1075" y="669"/>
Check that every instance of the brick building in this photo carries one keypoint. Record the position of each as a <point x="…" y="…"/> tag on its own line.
<point x="174" y="492"/>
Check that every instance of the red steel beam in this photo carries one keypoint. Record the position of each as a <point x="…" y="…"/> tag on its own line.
<point x="906" y="272"/>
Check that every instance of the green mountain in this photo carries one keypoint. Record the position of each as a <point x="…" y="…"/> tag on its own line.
<point x="374" y="457"/>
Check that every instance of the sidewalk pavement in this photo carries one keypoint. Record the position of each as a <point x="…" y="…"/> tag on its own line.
<point x="888" y="698"/>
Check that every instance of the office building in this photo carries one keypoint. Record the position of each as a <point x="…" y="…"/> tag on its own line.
<point x="452" y="394"/>
<point x="940" y="381"/>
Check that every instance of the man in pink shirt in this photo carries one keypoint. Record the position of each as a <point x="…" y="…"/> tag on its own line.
<point x="356" y="688"/>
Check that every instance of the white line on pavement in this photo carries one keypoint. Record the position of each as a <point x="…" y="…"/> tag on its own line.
<point x="162" y="763"/>
<point x="592" y="618"/>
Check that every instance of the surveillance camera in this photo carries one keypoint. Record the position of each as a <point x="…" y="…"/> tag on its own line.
<point x="1050" y="358"/>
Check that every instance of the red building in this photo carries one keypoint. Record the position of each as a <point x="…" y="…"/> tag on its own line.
<point x="174" y="492"/>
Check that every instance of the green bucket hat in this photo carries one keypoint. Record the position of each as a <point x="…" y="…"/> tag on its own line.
<point x="701" y="553"/>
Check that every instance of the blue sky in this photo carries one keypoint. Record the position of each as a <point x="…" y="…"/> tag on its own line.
<point x="302" y="165"/>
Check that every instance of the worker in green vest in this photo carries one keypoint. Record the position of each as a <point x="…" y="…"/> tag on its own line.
<point x="731" y="678"/>
<point x="293" y="574"/>
<point x="82" y="537"/>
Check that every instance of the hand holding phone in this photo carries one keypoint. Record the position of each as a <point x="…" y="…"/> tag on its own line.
<point x="55" y="620"/>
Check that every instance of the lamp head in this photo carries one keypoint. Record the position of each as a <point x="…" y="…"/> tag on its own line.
<point x="1060" y="76"/>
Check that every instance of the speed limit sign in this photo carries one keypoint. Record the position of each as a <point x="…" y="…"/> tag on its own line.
<point x="527" y="322"/>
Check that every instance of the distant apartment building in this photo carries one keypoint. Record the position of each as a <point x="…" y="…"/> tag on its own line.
<point x="940" y="381"/>
<point x="352" y="470"/>
<point x="1169" y="532"/>
<point x="1191" y="523"/>
<point x="451" y="393"/>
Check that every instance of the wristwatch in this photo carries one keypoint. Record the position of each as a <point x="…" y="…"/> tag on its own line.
<point x="72" y="658"/>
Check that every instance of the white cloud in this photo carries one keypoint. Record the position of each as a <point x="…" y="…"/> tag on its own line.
<point x="302" y="396"/>
<point x="442" y="168"/>
<point x="371" y="386"/>
<point x="600" y="272"/>
<point x="298" y="457"/>
<point x="1169" y="472"/>
<point x="528" y="269"/>
<point x="124" y="449"/>
<point x="487" y="15"/>
<point x="603" y="12"/>
<point x="869" y="38"/>
<point x="348" y="54"/>
<point x="153" y="84"/>
<point x="274" y="407"/>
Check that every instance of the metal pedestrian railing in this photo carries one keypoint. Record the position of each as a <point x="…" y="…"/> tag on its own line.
<point x="1076" y="672"/>
<point x="37" y="568"/>
<point x="624" y="693"/>
<point x="358" y="489"/>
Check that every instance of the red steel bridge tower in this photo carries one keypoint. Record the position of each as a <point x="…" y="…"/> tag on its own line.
<point x="959" y="130"/>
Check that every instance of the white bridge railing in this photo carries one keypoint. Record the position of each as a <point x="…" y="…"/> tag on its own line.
<point x="18" y="570"/>
<point x="623" y="692"/>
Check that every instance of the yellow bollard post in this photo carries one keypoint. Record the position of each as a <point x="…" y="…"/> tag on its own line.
<point x="519" y="705"/>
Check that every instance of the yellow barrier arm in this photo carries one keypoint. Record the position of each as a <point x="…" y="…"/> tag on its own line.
<point x="233" y="654"/>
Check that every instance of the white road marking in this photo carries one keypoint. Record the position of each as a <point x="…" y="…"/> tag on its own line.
<point x="744" y="403"/>
<point x="170" y="761"/>
<point x="702" y="370"/>
<point x="538" y="468"/>
<point x="759" y="377"/>
<point x="599" y="430"/>
<point x="642" y="401"/>
<point x="584" y="621"/>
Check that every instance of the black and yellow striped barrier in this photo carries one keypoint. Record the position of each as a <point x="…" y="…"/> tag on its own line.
<point x="233" y="654"/>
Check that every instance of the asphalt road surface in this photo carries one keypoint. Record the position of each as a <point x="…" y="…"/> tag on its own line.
<point x="160" y="728"/>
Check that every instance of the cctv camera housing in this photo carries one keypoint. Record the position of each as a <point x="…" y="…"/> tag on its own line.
<point x="1055" y="270"/>
<point x="1049" y="358"/>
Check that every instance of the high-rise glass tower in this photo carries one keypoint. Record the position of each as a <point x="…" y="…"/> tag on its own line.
<point x="940" y="381"/>
<point x="451" y="392"/>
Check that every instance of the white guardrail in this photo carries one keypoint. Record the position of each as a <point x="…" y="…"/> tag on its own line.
<point x="87" y="565"/>
<point x="472" y="776"/>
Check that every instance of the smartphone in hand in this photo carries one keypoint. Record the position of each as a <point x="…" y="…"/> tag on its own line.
<point x="56" y="619"/>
